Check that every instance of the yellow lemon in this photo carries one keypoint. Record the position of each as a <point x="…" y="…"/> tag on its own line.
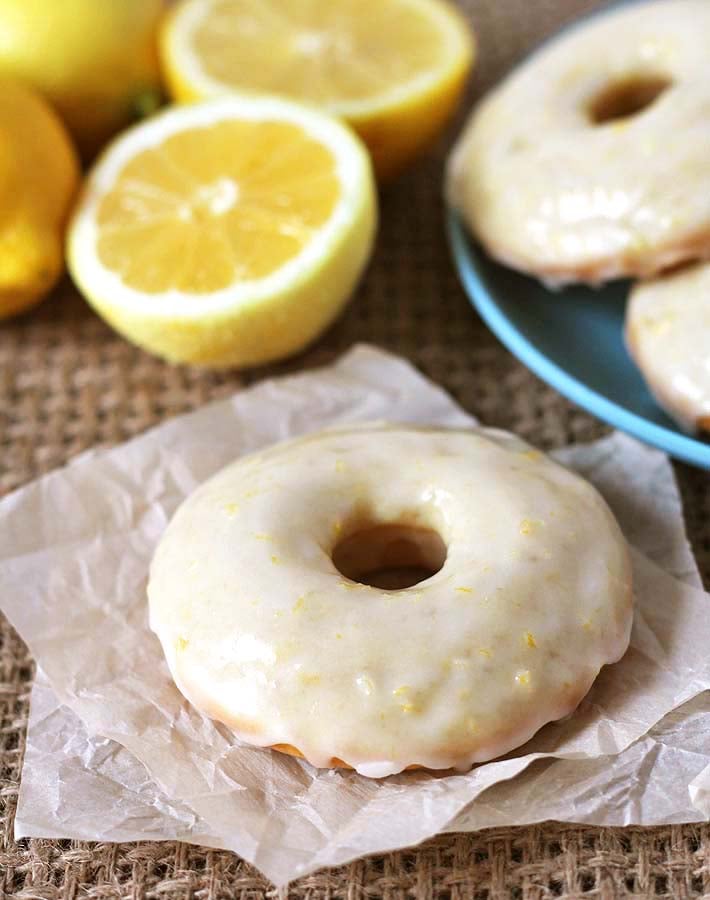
<point x="96" y="60"/>
<point x="39" y="173"/>
<point x="393" y="69"/>
<point x="225" y="233"/>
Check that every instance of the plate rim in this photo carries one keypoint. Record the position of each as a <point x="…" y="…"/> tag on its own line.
<point x="680" y="446"/>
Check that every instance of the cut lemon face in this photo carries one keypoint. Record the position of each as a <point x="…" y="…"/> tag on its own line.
<point x="225" y="233"/>
<point x="394" y="69"/>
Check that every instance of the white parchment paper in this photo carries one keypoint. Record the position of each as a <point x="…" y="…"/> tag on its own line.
<point x="115" y="753"/>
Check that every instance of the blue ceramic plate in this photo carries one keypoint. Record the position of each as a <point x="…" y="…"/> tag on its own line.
<point x="572" y="339"/>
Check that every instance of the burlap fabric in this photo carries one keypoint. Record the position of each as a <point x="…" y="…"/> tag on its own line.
<point x="68" y="383"/>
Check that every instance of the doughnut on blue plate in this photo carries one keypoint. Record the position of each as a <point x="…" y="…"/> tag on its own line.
<point x="572" y="339"/>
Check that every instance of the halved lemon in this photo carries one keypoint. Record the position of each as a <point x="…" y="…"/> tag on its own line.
<point x="394" y="69"/>
<point x="225" y="233"/>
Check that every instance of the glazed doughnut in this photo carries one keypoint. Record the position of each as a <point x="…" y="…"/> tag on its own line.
<point x="273" y="597"/>
<point x="590" y="161"/>
<point x="668" y="336"/>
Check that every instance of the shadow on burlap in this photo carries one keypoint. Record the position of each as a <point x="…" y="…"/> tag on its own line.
<point x="68" y="383"/>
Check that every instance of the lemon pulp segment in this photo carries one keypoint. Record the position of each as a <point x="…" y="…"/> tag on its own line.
<point x="228" y="202"/>
<point x="339" y="55"/>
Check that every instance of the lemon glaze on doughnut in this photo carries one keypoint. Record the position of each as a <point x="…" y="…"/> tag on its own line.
<point x="262" y="632"/>
<point x="668" y="336"/>
<point x="589" y="162"/>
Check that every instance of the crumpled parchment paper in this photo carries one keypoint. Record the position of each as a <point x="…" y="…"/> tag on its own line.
<point x="115" y="753"/>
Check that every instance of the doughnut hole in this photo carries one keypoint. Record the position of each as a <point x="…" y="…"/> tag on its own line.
<point x="626" y="97"/>
<point x="390" y="556"/>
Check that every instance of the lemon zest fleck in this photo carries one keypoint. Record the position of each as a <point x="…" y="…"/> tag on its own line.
<point x="530" y="526"/>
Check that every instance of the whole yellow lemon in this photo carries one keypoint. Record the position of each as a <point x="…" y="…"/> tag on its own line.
<point x="39" y="174"/>
<point x="95" y="60"/>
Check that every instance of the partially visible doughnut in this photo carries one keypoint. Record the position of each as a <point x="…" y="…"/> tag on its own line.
<point x="262" y="592"/>
<point x="668" y="336"/>
<point x="590" y="161"/>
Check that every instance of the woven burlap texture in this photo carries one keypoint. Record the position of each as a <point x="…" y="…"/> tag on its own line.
<point x="68" y="383"/>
